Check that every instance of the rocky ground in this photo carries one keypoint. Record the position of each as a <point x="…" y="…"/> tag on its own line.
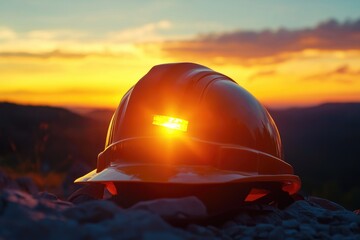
<point x="27" y="214"/>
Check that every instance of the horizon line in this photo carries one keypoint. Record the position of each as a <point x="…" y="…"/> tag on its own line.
<point x="81" y="109"/>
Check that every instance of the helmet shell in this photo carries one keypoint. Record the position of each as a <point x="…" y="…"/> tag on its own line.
<point x="230" y="136"/>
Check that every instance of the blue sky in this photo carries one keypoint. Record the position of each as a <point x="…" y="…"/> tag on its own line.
<point x="188" y="17"/>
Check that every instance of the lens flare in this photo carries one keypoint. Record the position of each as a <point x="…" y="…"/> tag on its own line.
<point x="170" y="122"/>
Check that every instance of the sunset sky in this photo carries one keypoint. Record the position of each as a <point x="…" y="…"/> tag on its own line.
<point x="87" y="53"/>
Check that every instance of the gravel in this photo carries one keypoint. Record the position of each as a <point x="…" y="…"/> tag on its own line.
<point x="27" y="214"/>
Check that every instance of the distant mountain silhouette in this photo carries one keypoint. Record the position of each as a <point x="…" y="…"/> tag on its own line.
<point x="322" y="143"/>
<point x="47" y="138"/>
<point x="103" y="115"/>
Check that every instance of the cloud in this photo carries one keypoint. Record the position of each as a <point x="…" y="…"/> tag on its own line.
<point x="7" y="33"/>
<point x="55" y="34"/>
<point x="339" y="74"/>
<point x="66" y="43"/>
<point x="60" y="92"/>
<point x="44" y="55"/>
<point x="268" y="46"/>
<point x="243" y="47"/>
<point x="148" y="32"/>
<point x="261" y="74"/>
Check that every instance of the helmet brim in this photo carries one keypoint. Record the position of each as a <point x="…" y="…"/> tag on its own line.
<point x="173" y="174"/>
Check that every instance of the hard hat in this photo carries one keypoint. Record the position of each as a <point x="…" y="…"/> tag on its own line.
<point x="183" y="124"/>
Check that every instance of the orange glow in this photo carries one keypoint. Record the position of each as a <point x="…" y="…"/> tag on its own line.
<point x="171" y="123"/>
<point x="111" y="188"/>
<point x="307" y="78"/>
<point x="89" y="82"/>
<point x="256" y="194"/>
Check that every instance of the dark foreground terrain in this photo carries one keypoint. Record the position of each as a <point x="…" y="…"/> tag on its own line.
<point x="54" y="146"/>
<point x="28" y="214"/>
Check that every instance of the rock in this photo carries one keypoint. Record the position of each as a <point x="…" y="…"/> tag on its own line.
<point x="200" y="230"/>
<point x="277" y="234"/>
<point x="229" y="224"/>
<point x="27" y="184"/>
<point x="216" y="231"/>
<point x="262" y="227"/>
<point x="322" y="227"/>
<point x="261" y="235"/>
<point x="235" y="230"/>
<point x="44" y="216"/>
<point x="51" y="202"/>
<point x="47" y="195"/>
<point x="337" y="237"/>
<point x="290" y="232"/>
<point x="175" y="208"/>
<point x="347" y="216"/>
<point x="301" y="210"/>
<point x="322" y="235"/>
<point x="291" y="224"/>
<point x="18" y="197"/>
<point x="6" y="182"/>
<point x="326" y="204"/>
<point x="245" y="238"/>
<point x="92" y="212"/>
<point x="305" y="228"/>
<point x="354" y="227"/>
<point x="245" y="219"/>
<point x="325" y="218"/>
<point x="161" y="236"/>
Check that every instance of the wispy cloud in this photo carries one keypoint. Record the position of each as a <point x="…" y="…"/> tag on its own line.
<point x="260" y="74"/>
<point x="268" y="46"/>
<point x="244" y="47"/>
<point x="146" y="33"/>
<point x="55" y="53"/>
<point x="60" y="92"/>
<point x="65" y="43"/>
<point x="340" y="74"/>
<point x="7" y="34"/>
<point x="55" y="35"/>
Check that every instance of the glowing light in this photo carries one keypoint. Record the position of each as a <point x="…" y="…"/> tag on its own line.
<point x="170" y="122"/>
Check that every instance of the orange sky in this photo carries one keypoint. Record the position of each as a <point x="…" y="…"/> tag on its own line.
<point x="281" y="67"/>
<point x="99" y="81"/>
